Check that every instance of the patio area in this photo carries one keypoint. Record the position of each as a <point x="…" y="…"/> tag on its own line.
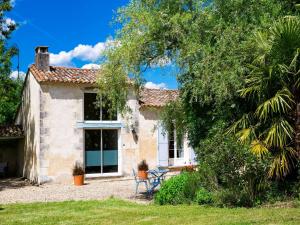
<point x="17" y="190"/>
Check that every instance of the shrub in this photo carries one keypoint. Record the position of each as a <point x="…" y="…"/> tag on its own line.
<point x="178" y="189"/>
<point x="231" y="197"/>
<point x="230" y="171"/>
<point x="78" y="169"/>
<point x="143" y="166"/>
<point x="203" y="196"/>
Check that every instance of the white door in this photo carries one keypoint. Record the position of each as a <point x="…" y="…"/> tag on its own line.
<point x="163" y="148"/>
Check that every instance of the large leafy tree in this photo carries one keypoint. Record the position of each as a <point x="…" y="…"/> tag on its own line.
<point x="9" y="88"/>
<point x="211" y="44"/>
<point x="206" y="40"/>
<point x="272" y="124"/>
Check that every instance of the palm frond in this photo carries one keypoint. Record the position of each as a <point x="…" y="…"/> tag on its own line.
<point x="282" y="102"/>
<point x="263" y="45"/>
<point x="279" y="134"/>
<point x="256" y="81"/>
<point x="253" y="85"/>
<point x="242" y="123"/>
<point x="283" y="162"/>
<point x="286" y="29"/>
<point x="244" y="134"/>
<point x="285" y="36"/>
<point x="258" y="148"/>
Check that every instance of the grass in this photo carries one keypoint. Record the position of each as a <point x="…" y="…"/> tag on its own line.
<point x="113" y="211"/>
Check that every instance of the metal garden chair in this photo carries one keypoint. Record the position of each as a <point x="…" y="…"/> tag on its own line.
<point x="139" y="181"/>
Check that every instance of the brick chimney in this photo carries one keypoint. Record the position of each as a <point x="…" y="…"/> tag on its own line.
<point x="42" y="58"/>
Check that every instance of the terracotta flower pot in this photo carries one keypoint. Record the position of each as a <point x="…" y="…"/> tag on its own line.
<point x="143" y="175"/>
<point x="190" y="168"/>
<point x="78" y="180"/>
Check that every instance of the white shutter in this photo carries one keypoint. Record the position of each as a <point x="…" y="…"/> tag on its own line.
<point x="163" y="151"/>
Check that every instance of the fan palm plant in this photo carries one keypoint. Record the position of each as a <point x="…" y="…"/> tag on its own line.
<point x="272" y="126"/>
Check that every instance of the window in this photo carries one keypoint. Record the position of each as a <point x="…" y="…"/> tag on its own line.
<point x="92" y="111"/>
<point x="175" y="147"/>
<point x="171" y="145"/>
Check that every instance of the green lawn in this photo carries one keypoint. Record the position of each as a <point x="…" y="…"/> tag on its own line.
<point x="114" y="211"/>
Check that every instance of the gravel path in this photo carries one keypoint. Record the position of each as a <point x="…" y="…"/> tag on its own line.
<point x="17" y="190"/>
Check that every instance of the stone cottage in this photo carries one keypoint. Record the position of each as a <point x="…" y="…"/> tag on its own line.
<point x="62" y="126"/>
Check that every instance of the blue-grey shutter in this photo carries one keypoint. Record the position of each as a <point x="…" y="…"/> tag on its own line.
<point x="163" y="154"/>
<point x="192" y="156"/>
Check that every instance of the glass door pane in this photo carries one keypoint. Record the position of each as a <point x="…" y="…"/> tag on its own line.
<point x="171" y="145"/>
<point x="110" y="151"/>
<point x="91" y="110"/>
<point x="93" y="151"/>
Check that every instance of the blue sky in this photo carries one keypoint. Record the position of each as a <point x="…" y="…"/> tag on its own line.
<point x="75" y="31"/>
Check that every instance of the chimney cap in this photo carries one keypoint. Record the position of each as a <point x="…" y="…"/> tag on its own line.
<point x="41" y="49"/>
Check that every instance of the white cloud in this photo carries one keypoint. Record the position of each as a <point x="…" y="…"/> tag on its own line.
<point x="90" y="66"/>
<point x="81" y="52"/>
<point x="88" y="52"/>
<point x="152" y="85"/>
<point x="61" y="59"/>
<point x="14" y="75"/>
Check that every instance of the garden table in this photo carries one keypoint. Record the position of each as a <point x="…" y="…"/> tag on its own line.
<point x="157" y="176"/>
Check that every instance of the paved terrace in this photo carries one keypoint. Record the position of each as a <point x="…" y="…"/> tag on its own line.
<point x="17" y="190"/>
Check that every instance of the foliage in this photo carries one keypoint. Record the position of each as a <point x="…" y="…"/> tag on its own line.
<point x="178" y="189"/>
<point x="203" y="196"/>
<point x="211" y="44"/>
<point x="272" y="88"/>
<point x="206" y="40"/>
<point x="10" y="97"/>
<point x="173" y="116"/>
<point x="9" y="89"/>
<point x="231" y="171"/>
<point x="143" y="166"/>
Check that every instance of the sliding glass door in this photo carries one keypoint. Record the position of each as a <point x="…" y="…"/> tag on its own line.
<point x="101" y="151"/>
<point x="110" y="151"/>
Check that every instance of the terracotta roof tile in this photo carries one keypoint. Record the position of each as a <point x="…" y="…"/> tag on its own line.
<point x="157" y="97"/>
<point x="58" y="74"/>
<point x="10" y="131"/>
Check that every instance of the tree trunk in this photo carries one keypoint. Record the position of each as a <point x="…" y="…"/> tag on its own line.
<point x="297" y="129"/>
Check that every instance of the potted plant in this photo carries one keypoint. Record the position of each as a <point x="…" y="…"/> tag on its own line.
<point x="78" y="174"/>
<point x="143" y="170"/>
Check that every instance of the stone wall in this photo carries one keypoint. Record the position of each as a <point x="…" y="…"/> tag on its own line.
<point x="62" y="143"/>
<point x="130" y="137"/>
<point x="148" y="121"/>
<point x="54" y="142"/>
<point x="28" y="117"/>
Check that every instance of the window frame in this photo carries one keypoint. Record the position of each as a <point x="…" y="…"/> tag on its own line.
<point x="100" y="110"/>
<point x="175" y="146"/>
